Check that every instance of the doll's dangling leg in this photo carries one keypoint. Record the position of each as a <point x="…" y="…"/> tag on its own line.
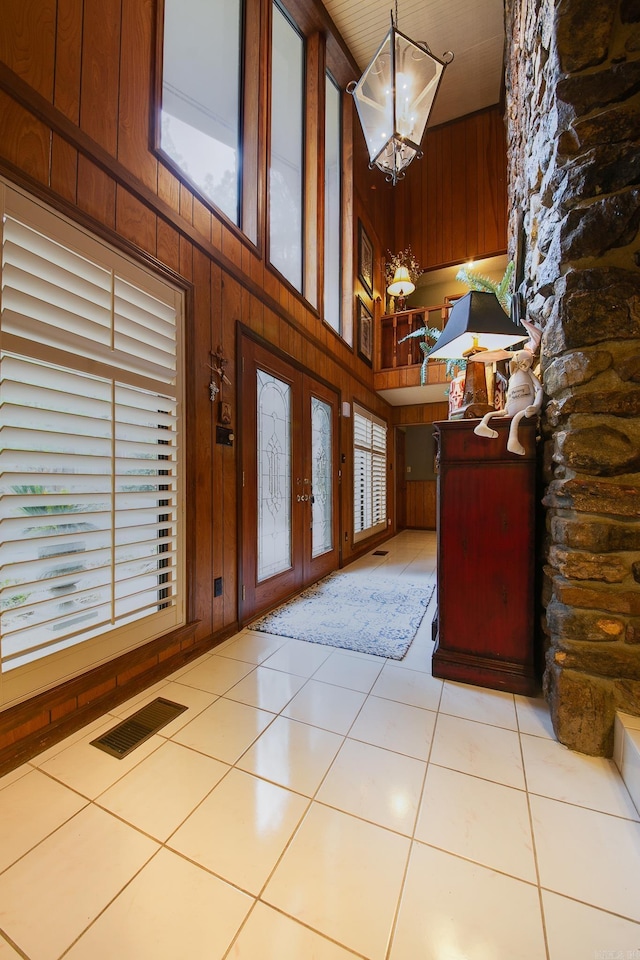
<point x="483" y="429"/>
<point x="513" y="443"/>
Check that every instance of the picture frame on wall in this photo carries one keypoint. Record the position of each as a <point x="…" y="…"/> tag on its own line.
<point x="365" y="259"/>
<point x="365" y="332"/>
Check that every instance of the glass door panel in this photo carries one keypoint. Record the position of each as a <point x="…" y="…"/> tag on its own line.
<point x="321" y="477"/>
<point x="274" y="475"/>
<point x="321" y="538"/>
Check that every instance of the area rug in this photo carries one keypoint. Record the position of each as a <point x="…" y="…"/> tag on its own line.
<point x="355" y="611"/>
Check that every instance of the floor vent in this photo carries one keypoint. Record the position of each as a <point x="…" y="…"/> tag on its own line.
<point x="126" y="736"/>
<point x="380" y="553"/>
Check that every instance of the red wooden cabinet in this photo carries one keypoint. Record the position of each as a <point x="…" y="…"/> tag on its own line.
<point x="486" y="541"/>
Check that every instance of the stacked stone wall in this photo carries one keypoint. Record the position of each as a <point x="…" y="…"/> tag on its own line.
<point x="573" y="131"/>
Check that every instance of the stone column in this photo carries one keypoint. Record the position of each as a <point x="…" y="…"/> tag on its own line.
<point x="573" y="133"/>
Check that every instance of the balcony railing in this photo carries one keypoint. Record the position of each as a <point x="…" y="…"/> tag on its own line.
<point x="400" y="362"/>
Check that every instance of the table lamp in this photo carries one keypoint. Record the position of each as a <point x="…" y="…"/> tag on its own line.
<point x="476" y="323"/>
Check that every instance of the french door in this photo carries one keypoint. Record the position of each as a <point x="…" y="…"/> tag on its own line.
<point x="289" y="498"/>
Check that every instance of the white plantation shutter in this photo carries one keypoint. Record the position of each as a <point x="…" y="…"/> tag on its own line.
<point x="90" y="496"/>
<point x="369" y="474"/>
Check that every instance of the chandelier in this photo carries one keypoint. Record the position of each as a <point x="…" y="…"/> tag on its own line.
<point x="394" y="97"/>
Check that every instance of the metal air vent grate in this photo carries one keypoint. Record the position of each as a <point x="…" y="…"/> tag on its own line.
<point x="380" y="553"/>
<point x="126" y="736"/>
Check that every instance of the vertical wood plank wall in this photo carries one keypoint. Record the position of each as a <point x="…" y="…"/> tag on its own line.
<point x="419" y="511"/>
<point x="77" y="90"/>
<point x="452" y="206"/>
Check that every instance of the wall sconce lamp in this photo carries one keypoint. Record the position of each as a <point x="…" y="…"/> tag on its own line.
<point x="394" y="97"/>
<point x="476" y="323"/>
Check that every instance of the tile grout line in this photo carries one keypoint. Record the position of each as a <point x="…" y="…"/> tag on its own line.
<point x="412" y="839"/>
<point x="543" y="918"/>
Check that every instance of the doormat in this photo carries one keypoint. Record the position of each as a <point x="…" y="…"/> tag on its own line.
<point x="354" y="611"/>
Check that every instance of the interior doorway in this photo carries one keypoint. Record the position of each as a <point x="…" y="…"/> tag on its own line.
<point x="415" y="477"/>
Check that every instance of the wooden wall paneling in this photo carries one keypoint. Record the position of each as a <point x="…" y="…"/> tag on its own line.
<point x="421" y="504"/>
<point x="168" y="187"/>
<point x="400" y="479"/>
<point x="272" y="329"/>
<point x="220" y="315"/>
<point x="186" y="203"/>
<point x="96" y="192"/>
<point x="420" y="413"/>
<point x="27" y="41"/>
<point x="68" y="51"/>
<point x="491" y="166"/>
<point x="136" y="90"/>
<point x="481" y="166"/>
<point x="231" y="246"/>
<point x="500" y="151"/>
<point x="460" y="200"/>
<point x="446" y="225"/>
<point x="202" y="442"/>
<point x="167" y="244"/>
<point x="348" y="119"/>
<point x="433" y="197"/>
<point x="231" y="312"/>
<point x="186" y="258"/>
<point x="216" y="228"/>
<point x="455" y="207"/>
<point x="24" y="141"/>
<point x="135" y="221"/>
<point x="202" y="218"/>
<point x="63" y="175"/>
<point x="100" y="72"/>
<point x="437" y="224"/>
<point x="247" y="258"/>
<point x="254" y="313"/>
<point x="471" y="224"/>
<point x="257" y="271"/>
<point x="271" y="285"/>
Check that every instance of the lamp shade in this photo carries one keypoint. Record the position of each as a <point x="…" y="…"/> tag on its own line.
<point x="476" y="318"/>
<point x="394" y="98"/>
<point x="401" y="285"/>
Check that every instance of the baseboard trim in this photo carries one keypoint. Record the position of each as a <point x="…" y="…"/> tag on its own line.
<point x="33" y="726"/>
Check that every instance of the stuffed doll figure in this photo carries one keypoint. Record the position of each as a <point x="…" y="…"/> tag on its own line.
<point x="524" y="393"/>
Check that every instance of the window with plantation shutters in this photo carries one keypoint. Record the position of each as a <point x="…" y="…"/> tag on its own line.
<point x="369" y="474"/>
<point x="90" y="541"/>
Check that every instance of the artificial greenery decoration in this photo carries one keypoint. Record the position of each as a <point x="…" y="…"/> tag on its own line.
<point x="433" y="333"/>
<point x="475" y="281"/>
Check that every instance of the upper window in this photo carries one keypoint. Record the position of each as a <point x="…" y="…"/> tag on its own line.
<point x="90" y="381"/>
<point x="287" y="152"/>
<point x="201" y="95"/>
<point x="369" y="474"/>
<point x="332" y="205"/>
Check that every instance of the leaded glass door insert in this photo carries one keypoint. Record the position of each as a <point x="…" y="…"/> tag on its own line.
<point x="274" y="475"/>
<point x="321" y="477"/>
<point x="288" y="510"/>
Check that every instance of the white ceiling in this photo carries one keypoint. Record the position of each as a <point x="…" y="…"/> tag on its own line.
<point x="472" y="29"/>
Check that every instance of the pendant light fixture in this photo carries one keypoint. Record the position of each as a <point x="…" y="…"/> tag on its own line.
<point x="394" y="97"/>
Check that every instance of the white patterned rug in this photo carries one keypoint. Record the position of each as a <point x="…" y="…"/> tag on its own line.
<point x="355" y="611"/>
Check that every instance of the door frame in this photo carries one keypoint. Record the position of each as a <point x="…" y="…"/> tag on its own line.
<point x="251" y="346"/>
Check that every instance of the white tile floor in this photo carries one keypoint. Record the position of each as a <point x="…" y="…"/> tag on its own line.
<point x="316" y="804"/>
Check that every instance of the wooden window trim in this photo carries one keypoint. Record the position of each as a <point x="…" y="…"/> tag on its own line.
<point x="251" y="125"/>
